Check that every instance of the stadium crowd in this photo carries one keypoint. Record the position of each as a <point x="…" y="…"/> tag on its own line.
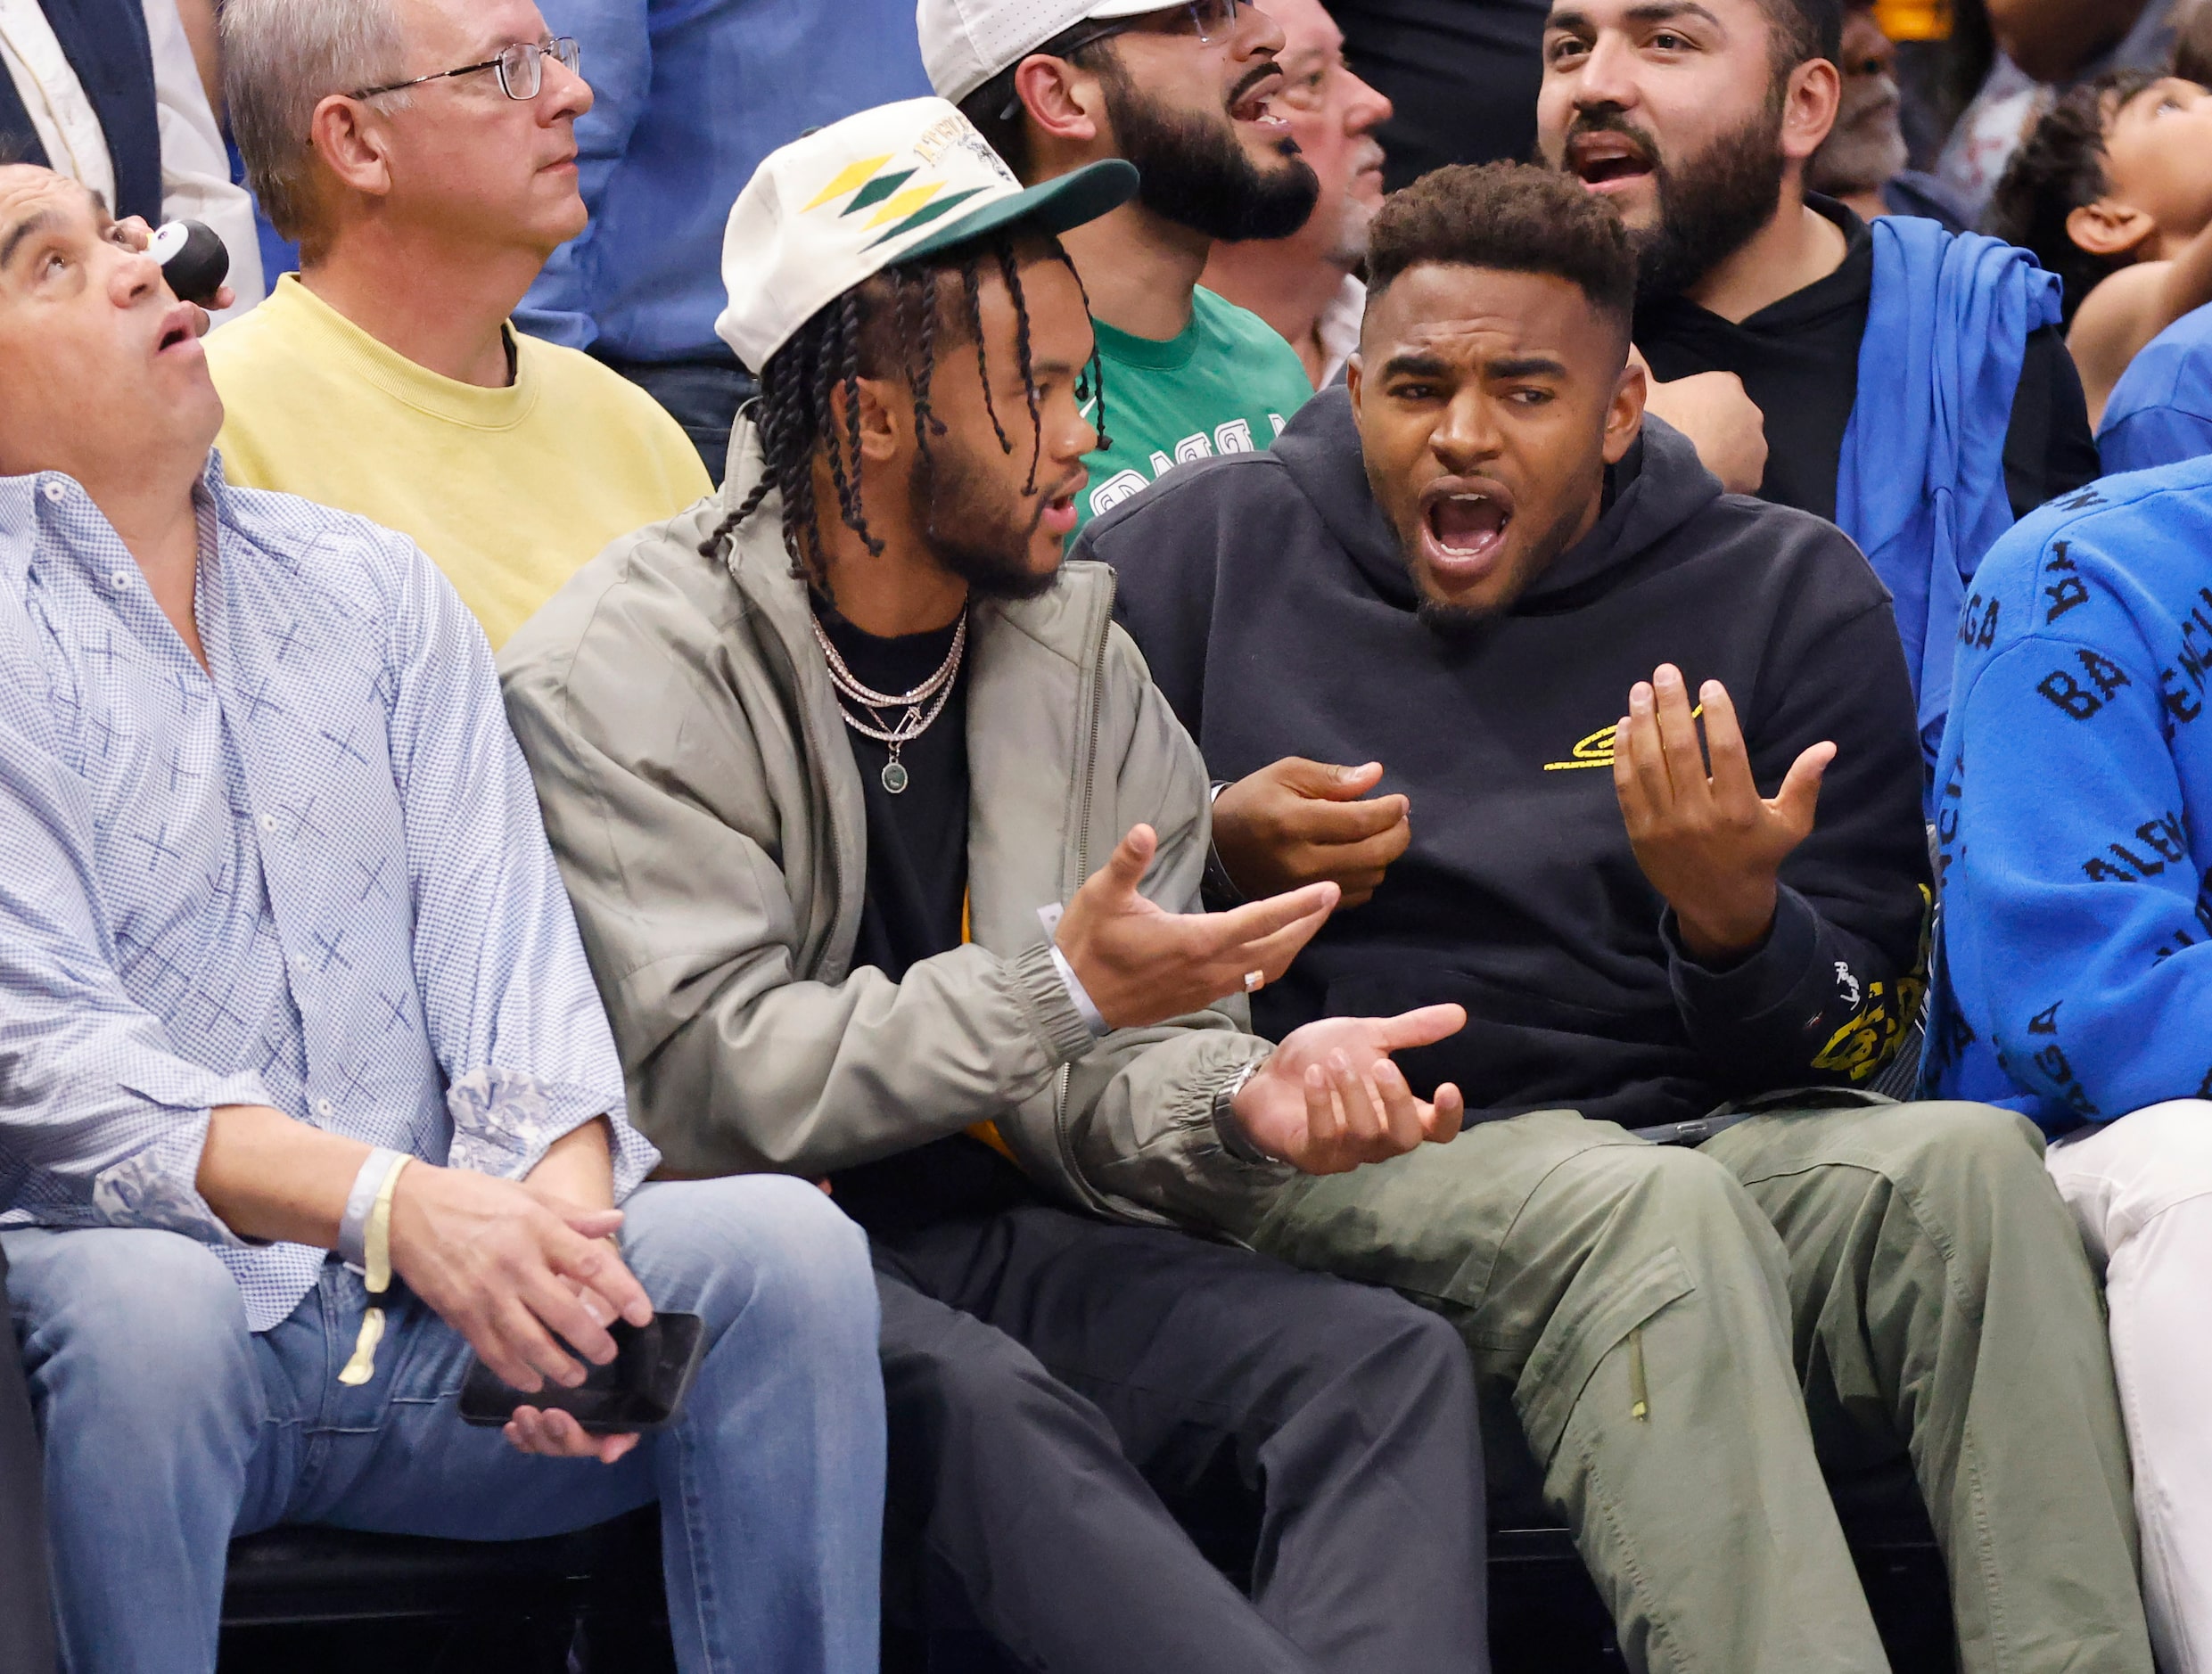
<point x="924" y="683"/>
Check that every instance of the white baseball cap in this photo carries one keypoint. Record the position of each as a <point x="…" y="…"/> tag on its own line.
<point x="964" y="43"/>
<point x="845" y="201"/>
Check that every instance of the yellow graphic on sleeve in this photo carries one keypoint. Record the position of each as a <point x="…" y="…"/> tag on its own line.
<point x="1597" y="749"/>
<point x="1869" y="1039"/>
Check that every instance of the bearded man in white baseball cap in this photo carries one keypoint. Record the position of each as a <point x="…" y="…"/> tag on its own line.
<point x="887" y="854"/>
<point x="1186" y="94"/>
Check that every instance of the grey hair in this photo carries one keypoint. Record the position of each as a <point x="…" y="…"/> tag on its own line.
<point x="281" y="59"/>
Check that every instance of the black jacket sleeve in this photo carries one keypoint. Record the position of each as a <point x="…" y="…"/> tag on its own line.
<point x="2048" y="448"/>
<point x="1830" y="994"/>
<point x="1163" y="594"/>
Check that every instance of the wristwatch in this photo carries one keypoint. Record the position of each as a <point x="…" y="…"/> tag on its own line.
<point x="1227" y="1128"/>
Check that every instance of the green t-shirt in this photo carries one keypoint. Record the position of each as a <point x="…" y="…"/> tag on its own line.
<point x="1226" y="384"/>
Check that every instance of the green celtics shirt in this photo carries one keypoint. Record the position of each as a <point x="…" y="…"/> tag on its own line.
<point x="1225" y="384"/>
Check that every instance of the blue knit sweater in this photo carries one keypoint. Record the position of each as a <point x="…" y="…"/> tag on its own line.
<point x="2073" y="805"/>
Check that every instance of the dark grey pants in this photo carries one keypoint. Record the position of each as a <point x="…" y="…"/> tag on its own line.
<point x="26" y="1613"/>
<point x="1056" y="1383"/>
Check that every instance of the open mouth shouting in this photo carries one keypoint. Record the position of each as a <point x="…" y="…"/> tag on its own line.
<point x="1254" y="99"/>
<point x="1463" y="525"/>
<point x="1607" y="159"/>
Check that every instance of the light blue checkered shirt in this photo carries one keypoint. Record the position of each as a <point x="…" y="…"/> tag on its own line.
<point x="313" y="878"/>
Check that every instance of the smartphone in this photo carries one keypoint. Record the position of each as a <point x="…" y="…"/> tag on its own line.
<point x="1696" y="1131"/>
<point x="641" y="1389"/>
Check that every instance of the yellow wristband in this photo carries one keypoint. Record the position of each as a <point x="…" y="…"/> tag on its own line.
<point x="376" y="1250"/>
<point x="376" y="1243"/>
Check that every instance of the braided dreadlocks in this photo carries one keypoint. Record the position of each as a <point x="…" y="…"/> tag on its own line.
<point x="891" y="324"/>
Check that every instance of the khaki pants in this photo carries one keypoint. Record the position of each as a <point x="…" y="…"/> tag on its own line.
<point x="1681" y="1330"/>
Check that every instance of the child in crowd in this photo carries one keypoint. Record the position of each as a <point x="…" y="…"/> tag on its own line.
<point x="2113" y="192"/>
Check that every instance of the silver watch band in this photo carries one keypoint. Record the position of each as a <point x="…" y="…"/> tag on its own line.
<point x="1227" y="1128"/>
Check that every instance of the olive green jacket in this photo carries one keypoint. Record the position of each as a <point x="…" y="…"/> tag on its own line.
<point x="704" y="803"/>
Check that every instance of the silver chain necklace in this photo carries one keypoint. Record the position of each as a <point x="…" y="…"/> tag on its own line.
<point x="897" y="734"/>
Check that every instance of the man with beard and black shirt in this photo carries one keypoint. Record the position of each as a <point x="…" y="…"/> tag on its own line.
<point x="1478" y="565"/>
<point x="1915" y="386"/>
<point x="820" y="759"/>
<point x="1183" y="92"/>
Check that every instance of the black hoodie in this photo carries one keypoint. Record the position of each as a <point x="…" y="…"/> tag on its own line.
<point x="1269" y="594"/>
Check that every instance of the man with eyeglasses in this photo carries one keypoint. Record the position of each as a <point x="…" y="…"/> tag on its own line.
<point x="1188" y="93"/>
<point x="424" y="155"/>
<point x="1306" y="286"/>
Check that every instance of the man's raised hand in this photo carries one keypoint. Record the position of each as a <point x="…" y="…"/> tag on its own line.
<point x="1299" y="822"/>
<point x="1711" y="845"/>
<point x="1329" y="1098"/>
<point x="1142" y="964"/>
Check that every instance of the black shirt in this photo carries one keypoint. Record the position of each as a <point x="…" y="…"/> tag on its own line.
<point x="916" y="838"/>
<point x="1799" y="361"/>
<point x="915" y="909"/>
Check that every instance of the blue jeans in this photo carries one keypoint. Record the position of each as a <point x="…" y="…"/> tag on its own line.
<point x="169" y="1428"/>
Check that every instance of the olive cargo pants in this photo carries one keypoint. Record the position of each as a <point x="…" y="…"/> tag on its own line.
<point x="1683" y="1331"/>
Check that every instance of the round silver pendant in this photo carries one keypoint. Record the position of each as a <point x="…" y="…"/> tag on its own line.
<point x="894" y="777"/>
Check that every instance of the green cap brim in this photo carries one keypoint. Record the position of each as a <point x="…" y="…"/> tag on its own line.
<point x="1052" y="206"/>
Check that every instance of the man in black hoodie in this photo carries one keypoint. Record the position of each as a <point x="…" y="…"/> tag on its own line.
<point x="1469" y="563"/>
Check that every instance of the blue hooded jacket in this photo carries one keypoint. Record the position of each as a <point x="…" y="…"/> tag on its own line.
<point x="1920" y="484"/>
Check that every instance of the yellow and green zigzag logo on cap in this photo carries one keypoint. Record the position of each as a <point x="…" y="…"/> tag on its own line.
<point x="872" y="189"/>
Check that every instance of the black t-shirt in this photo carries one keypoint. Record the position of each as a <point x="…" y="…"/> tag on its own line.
<point x="1799" y="361"/>
<point x="914" y="910"/>
<point x="918" y="837"/>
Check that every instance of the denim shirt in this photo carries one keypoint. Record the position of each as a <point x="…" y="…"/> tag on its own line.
<point x="310" y="876"/>
<point x="689" y="97"/>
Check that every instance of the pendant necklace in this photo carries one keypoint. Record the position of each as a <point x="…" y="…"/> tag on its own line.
<point x="923" y="704"/>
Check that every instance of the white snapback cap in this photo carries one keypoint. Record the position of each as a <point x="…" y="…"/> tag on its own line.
<point x="886" y="185"/>
<point x="964" y="43"/>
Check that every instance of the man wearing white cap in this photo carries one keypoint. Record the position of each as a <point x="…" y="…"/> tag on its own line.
<point x="1185" y="93"/>
<point x="886" y="855"/>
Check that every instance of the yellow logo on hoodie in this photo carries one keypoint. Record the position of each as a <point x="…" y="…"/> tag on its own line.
<point x="1597" y="749"/>
<point x="1594" y="751"/>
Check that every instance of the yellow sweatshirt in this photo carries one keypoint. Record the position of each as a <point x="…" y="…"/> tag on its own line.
<point x="509" y="490"/>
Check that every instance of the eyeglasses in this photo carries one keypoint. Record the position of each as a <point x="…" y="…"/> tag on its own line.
<point x="1211" y="21"/>
<point x="520" y="68"/>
